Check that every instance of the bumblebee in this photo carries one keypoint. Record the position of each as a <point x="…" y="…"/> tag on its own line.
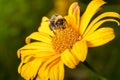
<point x="57" y="22"/>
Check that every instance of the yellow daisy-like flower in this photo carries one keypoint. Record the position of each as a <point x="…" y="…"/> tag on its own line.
<point x="45" y="57"/>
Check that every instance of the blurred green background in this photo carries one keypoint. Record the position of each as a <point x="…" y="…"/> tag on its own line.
<point x="19" y="18"/>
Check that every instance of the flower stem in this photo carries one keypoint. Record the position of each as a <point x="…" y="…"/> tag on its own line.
<point x="93" y="70"/>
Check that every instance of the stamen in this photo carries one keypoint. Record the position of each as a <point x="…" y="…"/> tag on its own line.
<point x="64" y="39"/>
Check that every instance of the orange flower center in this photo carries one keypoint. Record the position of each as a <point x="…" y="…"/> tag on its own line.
<point x="64" y="39"/>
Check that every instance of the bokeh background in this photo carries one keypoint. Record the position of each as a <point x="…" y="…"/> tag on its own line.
<point x="19" y="18"/>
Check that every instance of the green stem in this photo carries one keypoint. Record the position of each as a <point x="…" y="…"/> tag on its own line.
<point x="93" y="70"/>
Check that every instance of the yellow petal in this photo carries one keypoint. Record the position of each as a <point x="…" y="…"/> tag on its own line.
<point x="74" y="15"/>
<point x="35" y="53"/>
<point x="44" y="27"/>
<point x="80" y="50"/>
<point x="92" y="8"/>
<point x="30" y="69"/>
<point x="54" y="72"/>
<point x="37" y="46"/>
<point x="39" y="37"/>
<point x="54" y="69"/>
<point x="71" y="8"/>
<point x="44" y="69"/>
<point x="38" y="78"/>
<point x="19" y="67"/>
<point x="100" y="37"/>
<point x="96" y="23"/>
<point x="68" y="59"/>
<point x="50" y="70"/>
<point x="26" y="59"/>
<point x="36" y="49"/>
<point x="61" y="71"/>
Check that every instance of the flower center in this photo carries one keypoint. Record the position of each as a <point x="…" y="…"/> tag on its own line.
<point x="64" y="39"/>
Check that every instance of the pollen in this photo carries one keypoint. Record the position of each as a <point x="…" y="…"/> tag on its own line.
<point x="64" y="39"/>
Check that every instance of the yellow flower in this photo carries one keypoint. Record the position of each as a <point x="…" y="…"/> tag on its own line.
<point x="44" y="57"/>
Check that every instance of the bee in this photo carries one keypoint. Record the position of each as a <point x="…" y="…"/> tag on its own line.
<point x="57" y="22"/>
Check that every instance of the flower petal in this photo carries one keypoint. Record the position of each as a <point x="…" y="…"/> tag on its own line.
<point x="30" y="69"/>
<point x="19" y="67"/>
<point x="80" y="50"/>
<point x="44" y="69"/>
<point x="100" y="37"/>
<point x="92" y="8"/>
<point x="35" y="49"/>
<point x="61" y="70"/>
<point x="27" y="54"/>
<point x="57" y="71"/>
<point x="39" y="37"/>
<point x="37" y="46"/>
<point x="74" y="15"/>
<point x="98" y="25"/>
<point x="72" y="8"/>
<point x="38" y="78"/>
<point x="54" y="72"/>
<point x="95" y="24"/>
<point x="68" y="59"/>
<point x="44" y="27"/>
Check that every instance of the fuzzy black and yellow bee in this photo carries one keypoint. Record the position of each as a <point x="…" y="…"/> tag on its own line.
<point x="57" y="22"/>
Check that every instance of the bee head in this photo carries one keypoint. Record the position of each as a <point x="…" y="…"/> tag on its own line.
<point x="57" y="22"/>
